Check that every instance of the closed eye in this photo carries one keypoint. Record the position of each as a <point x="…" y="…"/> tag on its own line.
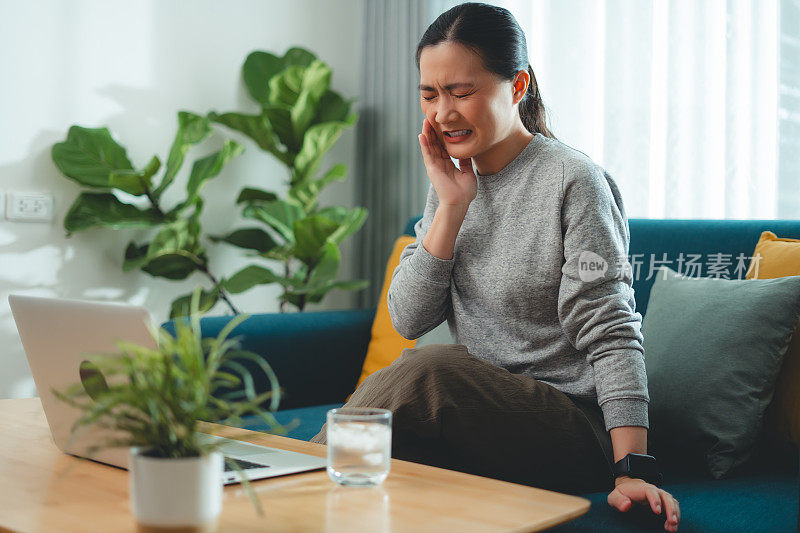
<point x="456" y="95"/>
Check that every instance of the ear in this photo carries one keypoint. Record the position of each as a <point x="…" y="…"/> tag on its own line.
<point x="520" y="85"/>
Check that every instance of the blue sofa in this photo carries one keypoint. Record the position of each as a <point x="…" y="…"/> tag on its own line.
<point x="317" y="357"/>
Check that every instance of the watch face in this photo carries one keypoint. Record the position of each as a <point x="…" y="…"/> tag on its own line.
<point x="641" y="463"/>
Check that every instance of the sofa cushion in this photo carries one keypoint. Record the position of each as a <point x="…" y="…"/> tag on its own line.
<point x="776" y="257"/>
<point x="757" y="502"/>
<point x="713" y="348"/>
<point x="386" y="344"/>
<point x="316" y="355"/>
<point x="309" y="420"/>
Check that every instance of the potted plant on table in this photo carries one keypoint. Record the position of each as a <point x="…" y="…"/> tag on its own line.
<point x="153" y="401"/>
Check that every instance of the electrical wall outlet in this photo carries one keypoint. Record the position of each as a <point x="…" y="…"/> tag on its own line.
<point x="29" y="206"/>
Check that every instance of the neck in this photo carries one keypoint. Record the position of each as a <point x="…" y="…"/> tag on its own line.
<point x="501" y="154"/>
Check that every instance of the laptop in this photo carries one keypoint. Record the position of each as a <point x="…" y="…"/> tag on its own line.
<point x="57" y="333"/>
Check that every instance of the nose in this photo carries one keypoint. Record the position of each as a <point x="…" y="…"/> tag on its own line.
<point x="445" y="112"/>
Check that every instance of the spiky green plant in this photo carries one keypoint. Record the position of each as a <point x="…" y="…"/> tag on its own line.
<point x="157" y="398"/>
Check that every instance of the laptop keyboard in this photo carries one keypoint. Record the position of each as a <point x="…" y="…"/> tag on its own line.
<point x="244" y="465"/>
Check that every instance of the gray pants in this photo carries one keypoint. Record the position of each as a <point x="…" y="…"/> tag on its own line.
<point x="453" y="410"/>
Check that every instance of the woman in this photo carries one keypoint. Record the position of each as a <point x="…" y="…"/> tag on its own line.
<point x="525" y="256"/>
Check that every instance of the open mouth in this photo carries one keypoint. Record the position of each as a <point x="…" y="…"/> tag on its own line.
<point x="457" y="133"/>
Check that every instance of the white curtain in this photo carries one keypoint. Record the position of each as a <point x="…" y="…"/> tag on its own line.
<point x="677" y="99"/>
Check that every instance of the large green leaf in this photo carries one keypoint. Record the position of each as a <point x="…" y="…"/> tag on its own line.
<point x="104" y="209"/>
<point x="88" y="156"/>
<point x="258" y="128"/>
<point x="307" y="191"/>
<point x="249" y="195"/>
<point x="182" y="306"/>
<point x="192" y="129"/>
<point x="279" y="214"/>
<point x="174" y="265"/>
<point x="321" y="279"/>
<point x="316" y="79"/>
<point x="298" y="56"/>
<point x="332" y="107"/>
<point x="260" y="67"/>
<point x="257" y="70"/>
<point x="249" y="277"/>
<point x="316" y="142"/>
<point x="249" y="238"/>
<point x="174" y="253"/>
<point x="283" y="253"/>
<point x="311" y="235"/>
<point x="203" y="170"/>
<point x="302" y="113"/>
<point x="285" y="86"/>
<point x="210" y="166"/>
<point x="183" y="234"/>
<point x="327" y="266"/>
<point x="135" y="182"/>
<point x="135" y="256"/>
<point x="349" y="220"/>
<point x="280" y="118"/>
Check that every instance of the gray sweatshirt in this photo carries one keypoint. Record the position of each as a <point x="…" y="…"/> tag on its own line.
<point x="539" y="282"/>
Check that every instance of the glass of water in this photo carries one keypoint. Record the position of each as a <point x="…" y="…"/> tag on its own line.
<point x="359" y="445"/>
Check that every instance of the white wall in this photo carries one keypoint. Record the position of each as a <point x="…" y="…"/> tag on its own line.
<point x="131" y="66"/>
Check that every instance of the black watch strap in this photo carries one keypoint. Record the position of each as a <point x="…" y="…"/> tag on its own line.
<point x="640" y="466"/>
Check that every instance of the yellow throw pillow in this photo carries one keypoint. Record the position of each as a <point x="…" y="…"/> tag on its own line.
<point x="775" y="258"/>
<point x="386" y="344"/>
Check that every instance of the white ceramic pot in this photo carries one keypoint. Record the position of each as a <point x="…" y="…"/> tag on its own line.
<point x="175" y="493"/>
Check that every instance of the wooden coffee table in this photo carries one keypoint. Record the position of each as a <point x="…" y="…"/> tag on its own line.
<point x="42" y="489"/>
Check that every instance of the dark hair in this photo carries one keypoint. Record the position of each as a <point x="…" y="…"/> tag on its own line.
<point x="495" y="36"/>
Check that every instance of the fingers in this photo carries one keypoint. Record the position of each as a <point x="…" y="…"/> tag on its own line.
<point x="423" y="146"/>
<point x="436" y="147"/>
<point x="620" y="501"/>
<point x="429" y="157"/>
<point x="671" y="507"/>
<point x="645" y="493"/>
<point x="465" y="165"/>
<point x="673" y="513"/>
<point x="654" y="498"/>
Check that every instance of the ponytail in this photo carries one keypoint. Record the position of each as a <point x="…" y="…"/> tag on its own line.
<point x="531" y="109"/>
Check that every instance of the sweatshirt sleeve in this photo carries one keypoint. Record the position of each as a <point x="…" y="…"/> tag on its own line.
<point x="419" y="293"/>
<point x="596" y="307"/>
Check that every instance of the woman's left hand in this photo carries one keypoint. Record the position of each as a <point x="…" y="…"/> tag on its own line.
<point x="631" y="490"/>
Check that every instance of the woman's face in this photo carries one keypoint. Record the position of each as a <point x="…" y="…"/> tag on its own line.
<point x="458" y="93"/>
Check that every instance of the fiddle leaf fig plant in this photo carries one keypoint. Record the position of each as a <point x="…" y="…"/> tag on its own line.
<point x="92" y="158"/>
<point x="300" y="120"/>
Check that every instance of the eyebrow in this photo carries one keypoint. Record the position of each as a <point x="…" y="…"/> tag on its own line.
<point x="448" y="87"/>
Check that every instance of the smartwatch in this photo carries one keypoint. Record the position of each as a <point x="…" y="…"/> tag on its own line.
<point x="640" y="466"/>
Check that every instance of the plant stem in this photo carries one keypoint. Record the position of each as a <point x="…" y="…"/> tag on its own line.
<point x="286" y="275"/>
<point x="153" y="201"/>
<point x="222" y="293"/>
<point x="303" y="296"/>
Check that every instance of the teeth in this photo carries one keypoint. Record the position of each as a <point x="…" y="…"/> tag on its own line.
<point x="458" y="133"/>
